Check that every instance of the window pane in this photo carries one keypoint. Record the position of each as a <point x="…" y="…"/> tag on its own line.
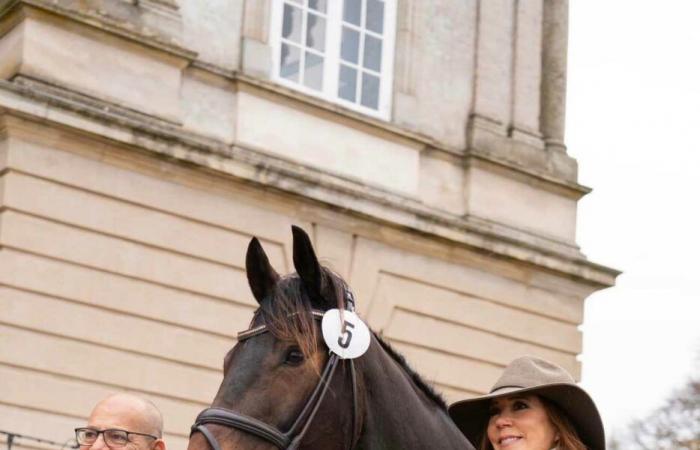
<point x="374" y="19"/>
<point x="291" y="24"/>
<point x="350" y="45"/>
<point x="316" y="32"/>
<point x="313" y="71"/>
<point x="289" y="62"/>
<point x="370" y="90"/>
<point x="318" y="5"/>
<point x="372" y="58"/>
<point x="347" y="84"/>
<point x="352" y="11"/>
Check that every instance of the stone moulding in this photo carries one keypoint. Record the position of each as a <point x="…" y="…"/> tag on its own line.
<point x="31" y="100"/>
<point x="160" y="39"/>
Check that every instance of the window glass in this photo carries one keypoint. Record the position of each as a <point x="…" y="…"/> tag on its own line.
<point x="289" y="64"/>
<point x="318" y="5"/>
<point x="374" y="16"/>
<point x="313" y="71"/>
<point x="352" y="11"/>
<point x="370" y="90"/>
<point x="341" y="50"/>
<point x="291" y="26"/>
<point x="316" y="32"/>
<point x="350" y="45"/>
<point x="348" y="83"/>
<point x="302" y="61"/>
<point x="372" y="57"/>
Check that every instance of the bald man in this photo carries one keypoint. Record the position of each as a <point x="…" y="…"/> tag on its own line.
<point x="123" y="421"/>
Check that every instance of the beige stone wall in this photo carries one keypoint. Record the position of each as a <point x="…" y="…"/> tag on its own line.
<point x="453" y="115"/>
<point x="123" y="271"/>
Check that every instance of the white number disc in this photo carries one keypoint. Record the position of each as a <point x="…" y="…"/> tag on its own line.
<point x="347" y="337"/>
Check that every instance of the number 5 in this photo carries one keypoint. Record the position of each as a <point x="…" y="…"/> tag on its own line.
<point x="347" y="334"/>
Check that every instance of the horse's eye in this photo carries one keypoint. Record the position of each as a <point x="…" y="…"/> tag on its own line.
<point x="294" y="357"/>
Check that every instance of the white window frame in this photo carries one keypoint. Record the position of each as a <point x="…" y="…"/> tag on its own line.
<point x="332" y="59"/>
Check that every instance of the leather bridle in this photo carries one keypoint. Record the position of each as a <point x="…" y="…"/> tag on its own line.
<point x="291" y="439"/>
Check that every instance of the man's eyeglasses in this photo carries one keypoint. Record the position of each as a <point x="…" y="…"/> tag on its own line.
<point x="113" y="437"/>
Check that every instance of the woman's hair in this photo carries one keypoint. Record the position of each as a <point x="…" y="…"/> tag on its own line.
<point x="568" y="437"/>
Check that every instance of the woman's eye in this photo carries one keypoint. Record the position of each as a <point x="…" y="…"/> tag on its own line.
<point x="294" y="357"/>
<point x="519" y="405"/>
<point x="494" y="411"/>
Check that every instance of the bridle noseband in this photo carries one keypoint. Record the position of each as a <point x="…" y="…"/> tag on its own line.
<point x="291" y="439"/>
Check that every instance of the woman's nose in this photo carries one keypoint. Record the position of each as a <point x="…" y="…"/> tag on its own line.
<point x="503" y="420"/>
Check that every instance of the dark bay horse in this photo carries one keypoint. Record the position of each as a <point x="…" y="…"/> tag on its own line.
<point x="282" y="388"/>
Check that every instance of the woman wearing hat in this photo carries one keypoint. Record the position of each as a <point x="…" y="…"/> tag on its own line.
<point x="534" y="405"/>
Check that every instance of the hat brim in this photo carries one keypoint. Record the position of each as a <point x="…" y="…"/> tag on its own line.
<point x="471" y="415"/>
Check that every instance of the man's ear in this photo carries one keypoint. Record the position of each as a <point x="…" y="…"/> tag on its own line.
<point x="159" y="444"/>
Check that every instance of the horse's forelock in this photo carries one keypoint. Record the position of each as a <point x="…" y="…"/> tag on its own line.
<point x="287" y="312"/>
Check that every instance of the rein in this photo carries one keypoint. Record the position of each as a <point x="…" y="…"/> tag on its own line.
<point x="291" y="439"/>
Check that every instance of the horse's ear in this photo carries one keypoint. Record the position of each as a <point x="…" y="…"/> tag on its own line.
<point x="261" y="276"/>
<point x="307" y="265"/>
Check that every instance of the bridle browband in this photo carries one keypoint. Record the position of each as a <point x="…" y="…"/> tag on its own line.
<point x="291" y="439"/>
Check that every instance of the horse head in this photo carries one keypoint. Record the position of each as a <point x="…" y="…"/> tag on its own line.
<point x="283" y="389"/>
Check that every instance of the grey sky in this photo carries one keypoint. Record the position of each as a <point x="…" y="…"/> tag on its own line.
<point x="633" y="117"/>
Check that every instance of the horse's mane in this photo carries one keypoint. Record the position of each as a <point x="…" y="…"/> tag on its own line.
<point x="287" y="314"/>
<point x="417" y="379"/>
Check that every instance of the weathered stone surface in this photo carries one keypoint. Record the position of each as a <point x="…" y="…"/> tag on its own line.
<point x="281" y="128"/>
<point x="314" y="183"/>
<point x="528" y="67"/>
<point x="495" y="195"/>
<point x="555" y="41"/>
<point x="434" y="68"/>
<point x="208" y="105"/>
<point x="149" y="17"/>
<point x="154" y="21"/>
<point x="80" y="58"/>
<point x="494" y="69"/>
<point x="212" y="28"/>
<point x="442" y="181"/>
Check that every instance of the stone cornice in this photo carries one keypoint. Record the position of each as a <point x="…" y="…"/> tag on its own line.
<point x="573" y="190"/>
<point x="141" y="35"/>
<point x="33" y="101"/>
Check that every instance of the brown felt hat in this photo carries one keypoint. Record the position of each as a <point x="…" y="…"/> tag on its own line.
<point x="530" y="375"/>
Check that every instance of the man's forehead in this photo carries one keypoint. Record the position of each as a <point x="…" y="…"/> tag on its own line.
<point x="118" y="413"/>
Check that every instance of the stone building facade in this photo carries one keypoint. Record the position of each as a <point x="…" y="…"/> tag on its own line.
<point x="143" y="142"/>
